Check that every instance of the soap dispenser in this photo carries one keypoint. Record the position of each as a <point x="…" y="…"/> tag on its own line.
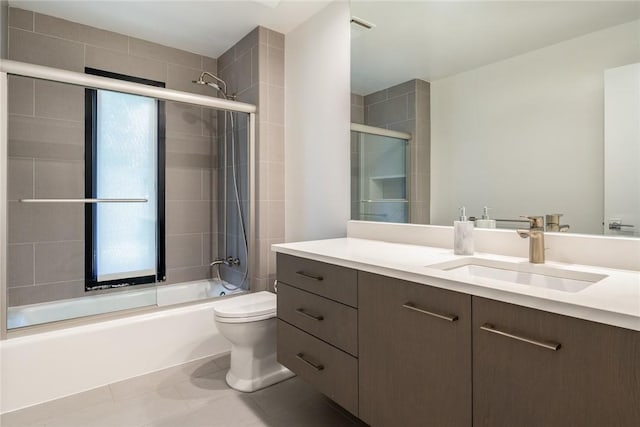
<point x="463" y="235"/>
<point x="485" y="222"/>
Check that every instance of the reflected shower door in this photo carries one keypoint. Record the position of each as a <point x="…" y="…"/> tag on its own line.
<point x="379" y="184"/>
<point x="622" y="151"/>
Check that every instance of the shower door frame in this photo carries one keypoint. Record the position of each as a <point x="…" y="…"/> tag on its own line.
<point x="408" y="138"/>
<point x="8" y="67"/>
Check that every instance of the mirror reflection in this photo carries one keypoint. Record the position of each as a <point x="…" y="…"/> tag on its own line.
<point x="525" y="108"/>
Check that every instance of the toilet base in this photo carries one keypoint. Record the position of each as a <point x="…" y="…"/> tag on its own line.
<point x="280" y="373"/>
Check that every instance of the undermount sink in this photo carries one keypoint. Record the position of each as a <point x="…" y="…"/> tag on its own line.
<point x="541" y="276"/>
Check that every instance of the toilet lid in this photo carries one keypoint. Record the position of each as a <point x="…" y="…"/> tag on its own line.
<point x="254" y="304"/>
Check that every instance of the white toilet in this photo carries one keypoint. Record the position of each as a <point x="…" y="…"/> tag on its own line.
<point x="249" y="322"/>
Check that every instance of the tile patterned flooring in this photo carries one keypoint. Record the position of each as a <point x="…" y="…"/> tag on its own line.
<point x="191" y="395"/>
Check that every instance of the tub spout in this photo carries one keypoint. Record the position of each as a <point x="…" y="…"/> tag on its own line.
<point x="228" y="262"/>
<point x="218" y="262"/>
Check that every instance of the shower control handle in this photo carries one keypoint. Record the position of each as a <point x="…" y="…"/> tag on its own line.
<point x="317" y="318"/>
<point x="310" y="276"/>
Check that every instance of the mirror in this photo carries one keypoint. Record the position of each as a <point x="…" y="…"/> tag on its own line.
<point x="508" y="108"/>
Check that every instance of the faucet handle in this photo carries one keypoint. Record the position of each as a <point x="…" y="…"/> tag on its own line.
<point x="535" y="221"/>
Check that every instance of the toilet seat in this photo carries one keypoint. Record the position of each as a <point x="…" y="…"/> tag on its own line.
<point x="246" y="308"/>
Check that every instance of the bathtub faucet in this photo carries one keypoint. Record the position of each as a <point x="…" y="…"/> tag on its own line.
<point x="230" y="261"/>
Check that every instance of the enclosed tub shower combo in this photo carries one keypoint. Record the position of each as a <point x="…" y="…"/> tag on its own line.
<point x="138" y="210"/>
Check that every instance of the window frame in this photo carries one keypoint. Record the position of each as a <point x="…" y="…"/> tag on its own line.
<point x="91" y="117"/>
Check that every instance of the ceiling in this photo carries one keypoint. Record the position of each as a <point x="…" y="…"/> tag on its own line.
<point x="412" y="39"/>
<point x="430" y="40"/>
<point x="205" y="27"/>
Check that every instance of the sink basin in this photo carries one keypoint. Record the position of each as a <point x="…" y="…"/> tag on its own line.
<point x="541" y="276"/>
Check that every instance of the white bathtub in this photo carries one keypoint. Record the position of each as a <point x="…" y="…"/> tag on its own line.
<point x="165" y="295"/>
<point x="49" y="365"/>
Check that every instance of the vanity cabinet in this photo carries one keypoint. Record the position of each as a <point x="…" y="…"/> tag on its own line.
<point x="415" y="354"/>
<point x="534" y="368"/>
<point x="397" y="353"/>
<point x="318" y="326"/>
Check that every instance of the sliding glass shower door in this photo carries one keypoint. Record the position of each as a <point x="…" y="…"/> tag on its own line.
<point x="379" y="184"/>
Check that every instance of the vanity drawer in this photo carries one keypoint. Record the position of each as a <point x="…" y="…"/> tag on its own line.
<point x="331" y="281"/>
<point x="329" y="370"/>
<point x="328" y="320"/>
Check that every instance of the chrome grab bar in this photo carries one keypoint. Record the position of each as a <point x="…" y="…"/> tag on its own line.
<point x="318" y="317"/>
<point x="447" y="317"/>
<point x="512" y="220"/>
<point x="84" y="200"/>
<point x="615" y="225"/>
<point x="316" y="366"/>
<point x="549" y="345"/>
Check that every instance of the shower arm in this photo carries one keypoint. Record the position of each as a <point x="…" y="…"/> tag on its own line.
<point x="217" y="79"/>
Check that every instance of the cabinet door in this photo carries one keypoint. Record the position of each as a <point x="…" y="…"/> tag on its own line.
<point x="415" y="354"/>
<point x="533" y="368"/>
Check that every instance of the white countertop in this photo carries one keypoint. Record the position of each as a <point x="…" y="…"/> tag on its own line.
<point x="615" y="300"/>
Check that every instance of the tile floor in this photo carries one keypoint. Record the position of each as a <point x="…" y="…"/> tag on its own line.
<point x="190" y="395"/>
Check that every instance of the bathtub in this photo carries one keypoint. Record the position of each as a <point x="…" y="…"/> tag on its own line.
<point x="162" y="296"/>
<point x="40" y="367"/>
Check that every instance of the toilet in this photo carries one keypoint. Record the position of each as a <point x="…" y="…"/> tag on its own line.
<point x="249" y="322"/>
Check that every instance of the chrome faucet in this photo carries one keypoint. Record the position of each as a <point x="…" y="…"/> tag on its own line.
<point x="535" y="233"/>
<point x="228" y="262"/>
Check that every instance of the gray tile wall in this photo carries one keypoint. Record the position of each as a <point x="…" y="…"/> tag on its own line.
<point x="406" y="108"/>
<point x="357" y="116"/>
<point x="357" y="108"/>
<point x="254" y="69"/>
<point x="4" y="27"/>
<point x="46" y="155"/>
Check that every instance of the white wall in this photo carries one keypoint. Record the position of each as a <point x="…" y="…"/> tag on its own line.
<point x="525" y="135"/>
<point x="317" y="110"/>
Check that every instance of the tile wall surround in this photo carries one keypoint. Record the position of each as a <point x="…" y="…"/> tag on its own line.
<point x="254" y="70"/>
<point x="357" y="116"/>
<point x="406" y="108"/>
<point x="4" y="16"/>
<point x="46" y="155"/>
<point x="357" y="108"/>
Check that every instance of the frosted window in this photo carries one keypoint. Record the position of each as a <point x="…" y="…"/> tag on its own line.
<point x="126" y="167"/>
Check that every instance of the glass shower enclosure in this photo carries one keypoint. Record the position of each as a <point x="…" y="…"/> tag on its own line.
<point x="69" y="199"/>
<point x="379" y="174"/>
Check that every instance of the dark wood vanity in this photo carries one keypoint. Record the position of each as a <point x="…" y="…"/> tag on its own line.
<point x="397" y="353"/>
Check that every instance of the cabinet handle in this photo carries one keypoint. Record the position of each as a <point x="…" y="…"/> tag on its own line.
<point x="550" y="345"/>
<point x="447" y="317"/>
<point x="310" y="276"/>
<point x="316" y="366"/>
<point x="309" y="315"/>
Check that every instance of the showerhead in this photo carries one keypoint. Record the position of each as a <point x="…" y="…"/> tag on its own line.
<point x="202" y="82"/>
<point x="222" y="87"/>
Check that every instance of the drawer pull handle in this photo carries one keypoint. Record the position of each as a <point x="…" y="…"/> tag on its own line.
<point x="447" y="317"/>
<point x="316" y="366"/>
<point x="544" y="344"/>
<point x="310" y="276"/>
<point x="309" y="315"/>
